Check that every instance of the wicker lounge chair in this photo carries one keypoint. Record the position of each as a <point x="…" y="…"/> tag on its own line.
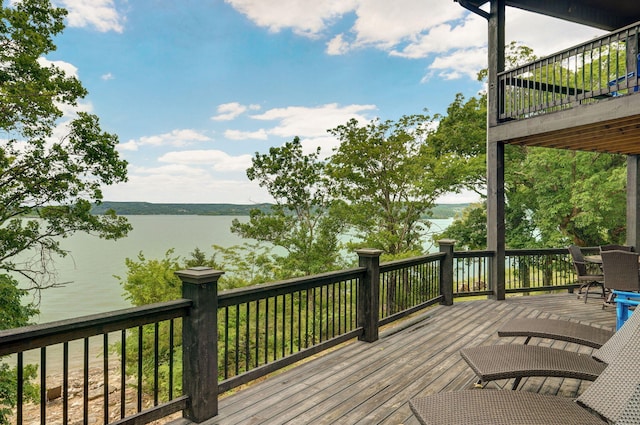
<point x="562" y="330"/>
<point x="495" y="362"/>
<point x="510" y="361"/>
<point x="613" y="397"/>
<point x="585" y="279"/>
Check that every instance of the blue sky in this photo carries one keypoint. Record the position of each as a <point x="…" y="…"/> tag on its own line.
<point x="193" y="88"/>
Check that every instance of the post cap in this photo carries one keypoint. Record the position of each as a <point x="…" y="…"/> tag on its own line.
<point x="369" y="252"/>
<point x="446" y="241"/>
<point x="199" y="274"/>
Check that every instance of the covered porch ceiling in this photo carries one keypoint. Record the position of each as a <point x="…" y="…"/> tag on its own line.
<point x="604" y="14"/>
<point x="608" y="126"/>
<point x="621" y="136"/>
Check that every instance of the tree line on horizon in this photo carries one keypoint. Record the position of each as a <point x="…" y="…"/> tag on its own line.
<point x="439" y="211"/>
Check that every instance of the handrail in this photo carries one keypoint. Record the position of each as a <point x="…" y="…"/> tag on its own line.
<point x="41" y="335"/>
<point x="256" y="292"/>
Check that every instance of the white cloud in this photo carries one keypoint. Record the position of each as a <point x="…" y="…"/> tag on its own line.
<point x="307" y="18"/>
<point x="99" y="14"/>
<point x="462" y="197"/>
<point x="446" y="37"/>
<point x="174" y="138"/>
<point x="385" y="24"/>
<point x="326" y="145"/>
<point x="460" y="63"/>
<point x="415" y="29"/>
<point x="246" y="135"/>
<point x="187" y="184"/>
<point x="108" y="76"/>
<point x="131" y="146"/>
<point x="466" y="44"/>
<point x="217" y="160"/>
<point x="70" y="70"/>
<point x="183" y="137"/>
<point x="524" y="27"/>
<point x="312" y="122"/>
<point x="229" y="111"/>
<point x="337" y="45"/>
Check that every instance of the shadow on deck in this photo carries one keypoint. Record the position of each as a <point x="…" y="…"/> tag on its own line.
<point x="371" y="383"/>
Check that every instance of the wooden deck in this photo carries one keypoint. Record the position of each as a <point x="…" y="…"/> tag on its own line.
<point x="370" y="383"/>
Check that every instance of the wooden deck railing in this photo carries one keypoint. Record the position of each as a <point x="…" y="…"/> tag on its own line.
<point x="112" y="331"/>
<point x="182" y="354"/>
<point x="601" y="68"/>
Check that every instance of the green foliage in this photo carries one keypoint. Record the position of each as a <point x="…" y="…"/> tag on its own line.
<point x="246" y="265"/>
<point x="8" y="385"/>
<point x="387" y="178"/>
<point x="150" y="281"/>
<point x="52" y="179"/>
<point x="469" y="229"/>
<point x="14" y="314"/>
<point x="553" y="197"/>
<point x="460" y="142"/>
<point x="575" y="197"/>
<point x="301" y="221"/>
<point x="29" y="91"/>
<point x="153" y="280"/>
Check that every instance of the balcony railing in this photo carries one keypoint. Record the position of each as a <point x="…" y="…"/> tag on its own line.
<point x="601" y="68"/>
<point x="163" y="353"/>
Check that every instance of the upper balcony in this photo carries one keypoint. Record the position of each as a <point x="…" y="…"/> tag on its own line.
<point x="582" y="98"/>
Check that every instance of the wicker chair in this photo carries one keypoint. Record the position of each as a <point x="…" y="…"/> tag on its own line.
<point x="621" y="272"/>
<point x="614" y="247"/>
<point x="586" y="279"/>
<point x="614" y="397"/>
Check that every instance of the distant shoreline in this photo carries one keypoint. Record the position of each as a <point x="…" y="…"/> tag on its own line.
<point x="440" y="211"/>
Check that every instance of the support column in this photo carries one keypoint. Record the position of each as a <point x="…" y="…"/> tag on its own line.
<point x="200" y="342"/>
<point x="633" y="201"/>
<point x="495" y="218"/>
<point x="495" y="154"/>
<point x="369" y="294"/>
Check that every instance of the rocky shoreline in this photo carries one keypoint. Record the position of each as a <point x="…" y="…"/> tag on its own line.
<point x="95" y="413"/>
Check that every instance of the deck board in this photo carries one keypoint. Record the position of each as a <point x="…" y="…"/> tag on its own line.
<point x="371" y="383"/>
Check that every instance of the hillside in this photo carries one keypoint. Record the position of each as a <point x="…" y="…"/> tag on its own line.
<point x="147" y="208"/>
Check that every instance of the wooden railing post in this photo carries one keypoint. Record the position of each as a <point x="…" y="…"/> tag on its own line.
<point x="446" y="271"/>
<point x="200" y="342"/>
<point x="369" y="294"/>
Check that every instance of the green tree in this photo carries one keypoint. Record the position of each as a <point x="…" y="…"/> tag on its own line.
<point x="52" y="180"/>
<point x="575" y="197"/>
<point x="388" y="179"/>
<point x="468" y="229"/>
<point x="14" y="314"/>
<point x="553" y="197"/>
<point x="152" y="280"/>
<point x="460" y="141"/>
<point x="47" y="181"/>
<point x="301" y="221"/>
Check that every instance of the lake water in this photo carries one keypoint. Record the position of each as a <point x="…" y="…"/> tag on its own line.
<point x="90" y="267"/>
